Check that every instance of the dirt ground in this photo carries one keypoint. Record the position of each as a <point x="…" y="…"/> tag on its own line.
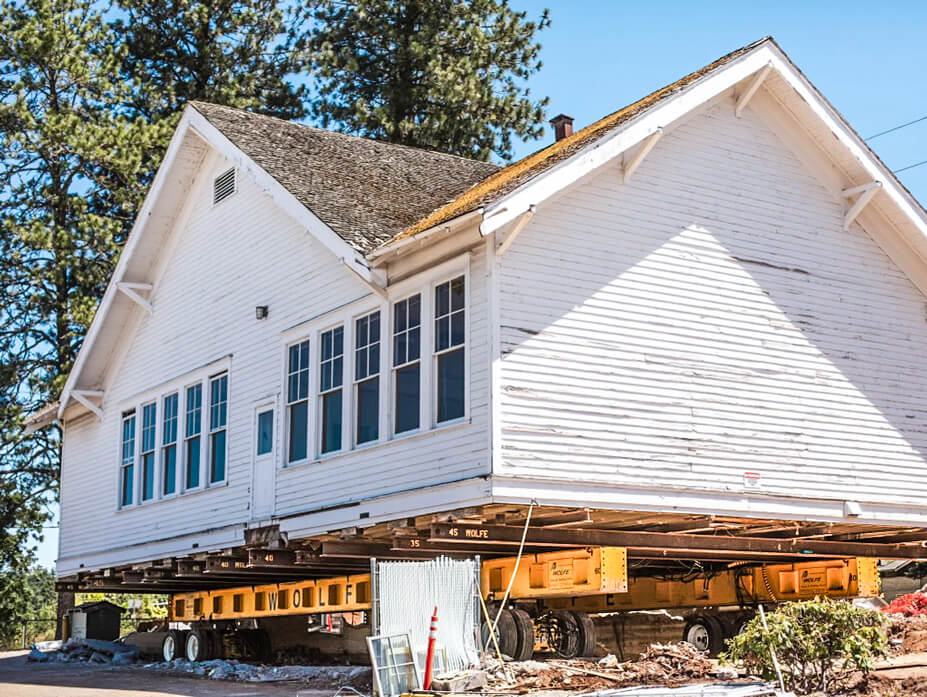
<point x="21" y="679"/>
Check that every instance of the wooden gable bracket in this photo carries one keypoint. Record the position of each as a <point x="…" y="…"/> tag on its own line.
<point x="83" y="396"/>
<point x="744" y="98"/>
<point x="866" y="192"/>
<point x="641" y="153"/>
<point x="519" y="225"/>
<point x="131" y="290"/>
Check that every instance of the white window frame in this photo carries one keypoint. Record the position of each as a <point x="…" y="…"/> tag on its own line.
<point x="435" y="353"/>
<point x="285" y="420"/>
<point x="316" y="357"/>
<point x="424" y="335"/>
<point x="202" y="434"/>
<point x="210" y="431"/>
<point x="177" y="443"/>
<point x="201" y="376"/>
<point x="140" y="435"/>
<point x="346" y="315"/>
<point x="382" y="368"/>
<point x="131" y="412"/>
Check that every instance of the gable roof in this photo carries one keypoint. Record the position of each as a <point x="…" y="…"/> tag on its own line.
<point x="366" y="191"/>
<point x="511" y="177"/>
<point x="839" y="154"/>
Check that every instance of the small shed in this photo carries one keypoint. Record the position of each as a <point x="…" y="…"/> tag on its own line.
<point x="95" y="620"/>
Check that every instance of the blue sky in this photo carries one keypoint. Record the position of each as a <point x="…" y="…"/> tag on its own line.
<point x="868" y="59"/>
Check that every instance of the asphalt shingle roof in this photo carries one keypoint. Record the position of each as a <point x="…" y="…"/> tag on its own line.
<point x="366" y="191"/>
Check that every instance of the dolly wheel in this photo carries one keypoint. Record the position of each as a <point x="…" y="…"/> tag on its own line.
<point x="564" y="633"/>
<point x="173" y="645"/>
<point x="704" y="632"/>
<point x="198" y="646"/>
<point x="506" y="634"/>
<point x="524" y="629"/>
<point x="586" y="633"/>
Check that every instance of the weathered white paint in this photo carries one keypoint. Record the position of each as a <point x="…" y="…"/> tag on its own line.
<point x="708" y="319"/>
<point x="225" y="260"/>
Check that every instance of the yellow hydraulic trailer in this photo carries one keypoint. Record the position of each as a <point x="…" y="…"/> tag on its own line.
<point x="550" y="596"/>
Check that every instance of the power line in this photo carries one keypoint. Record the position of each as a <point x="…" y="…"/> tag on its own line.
<point x="898" y="128"/>
<point x="916" y="164"/>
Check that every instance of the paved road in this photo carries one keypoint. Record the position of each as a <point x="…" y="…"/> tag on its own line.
<point x="19" y="678"/>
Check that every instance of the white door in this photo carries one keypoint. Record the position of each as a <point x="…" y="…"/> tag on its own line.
<point x="263" y="469"/>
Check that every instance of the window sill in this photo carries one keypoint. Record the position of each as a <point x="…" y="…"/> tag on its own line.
<point x="375" y="445"/>
<point x="173" y="497"/>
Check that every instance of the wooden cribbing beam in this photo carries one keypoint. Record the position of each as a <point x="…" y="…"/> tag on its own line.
<point x="470" y="534"/>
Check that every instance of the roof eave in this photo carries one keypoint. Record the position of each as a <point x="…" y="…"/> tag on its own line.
<point x="382" y="254"/>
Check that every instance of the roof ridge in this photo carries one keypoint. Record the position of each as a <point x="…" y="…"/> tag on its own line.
<point x="524" y="169"/>
<point x="195" y="102"/>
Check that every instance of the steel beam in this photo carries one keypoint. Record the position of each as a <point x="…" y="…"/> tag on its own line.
<point x="694" y="544"/>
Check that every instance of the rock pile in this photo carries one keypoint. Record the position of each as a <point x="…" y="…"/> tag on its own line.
<point x="87" y="650"/>
<point x="219" y="669"/>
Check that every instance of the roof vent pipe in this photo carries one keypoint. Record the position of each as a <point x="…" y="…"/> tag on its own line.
<point x="563" y="126"/>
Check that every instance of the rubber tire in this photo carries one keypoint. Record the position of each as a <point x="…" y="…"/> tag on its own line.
<point x="506" y="634"/>
<point x="570" y="634"/>
<point x="524" y="629"/>
<point x="203" y="645"/>
<point x="586" y="645"/>
<point x="713" y="634"/>
<point x="178" y="639"/>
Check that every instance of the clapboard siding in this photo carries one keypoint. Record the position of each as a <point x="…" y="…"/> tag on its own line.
<point x="228" y="259"/>
<point x="711" y="318"/>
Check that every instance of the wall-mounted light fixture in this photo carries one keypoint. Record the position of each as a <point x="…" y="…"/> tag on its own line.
<point x="260" y="312"/>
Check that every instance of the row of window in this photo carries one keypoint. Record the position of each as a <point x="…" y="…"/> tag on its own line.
<point x="449" y="318"/>
<point x="180" y="450"/>
<point x="171" y="454"/>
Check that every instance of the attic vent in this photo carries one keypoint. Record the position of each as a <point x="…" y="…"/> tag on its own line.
<point x="223" y="186"/>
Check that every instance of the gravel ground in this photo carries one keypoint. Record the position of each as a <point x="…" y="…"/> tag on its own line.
<point x="21" y="679"/>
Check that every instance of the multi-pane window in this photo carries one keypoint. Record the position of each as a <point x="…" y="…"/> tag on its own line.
<point x="407" y="321"/>
<point x="149" y="423"/>
<point x="331" y="379"/>
<point x="128" y="459"/>
<point x="297" y="398"/>
<point x="193" y="429"/>
<point x="169" y="444"/>
<point x="367" y="376"/>
<point x="218" y="418"/>
<point x="450" y="315"/>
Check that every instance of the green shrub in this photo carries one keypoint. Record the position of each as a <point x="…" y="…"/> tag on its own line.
<point x="819" y="643"/>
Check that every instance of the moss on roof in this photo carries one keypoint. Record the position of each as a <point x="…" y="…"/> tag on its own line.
<point x="511" y="177"/>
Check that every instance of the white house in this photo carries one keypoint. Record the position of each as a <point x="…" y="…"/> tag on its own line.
<point x="703" y="312"/>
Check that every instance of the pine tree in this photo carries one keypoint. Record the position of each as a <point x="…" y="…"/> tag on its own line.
<point x="446" y="75"/>
<point x="232" y="52"/>
<point x="71" y="178"/>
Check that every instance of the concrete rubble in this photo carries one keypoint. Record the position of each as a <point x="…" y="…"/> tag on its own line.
<point x="220" y="669"/>
<point x="116" y="654"/>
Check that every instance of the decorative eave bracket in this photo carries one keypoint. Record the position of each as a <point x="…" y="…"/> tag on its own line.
<point x="642" y="152"/>
<point x="866" y="193"/>
<point x="133" y="290"/>
<point x="519" y="225"/>
<point x="83" y="396"/>
<point x="747" y="95"/>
